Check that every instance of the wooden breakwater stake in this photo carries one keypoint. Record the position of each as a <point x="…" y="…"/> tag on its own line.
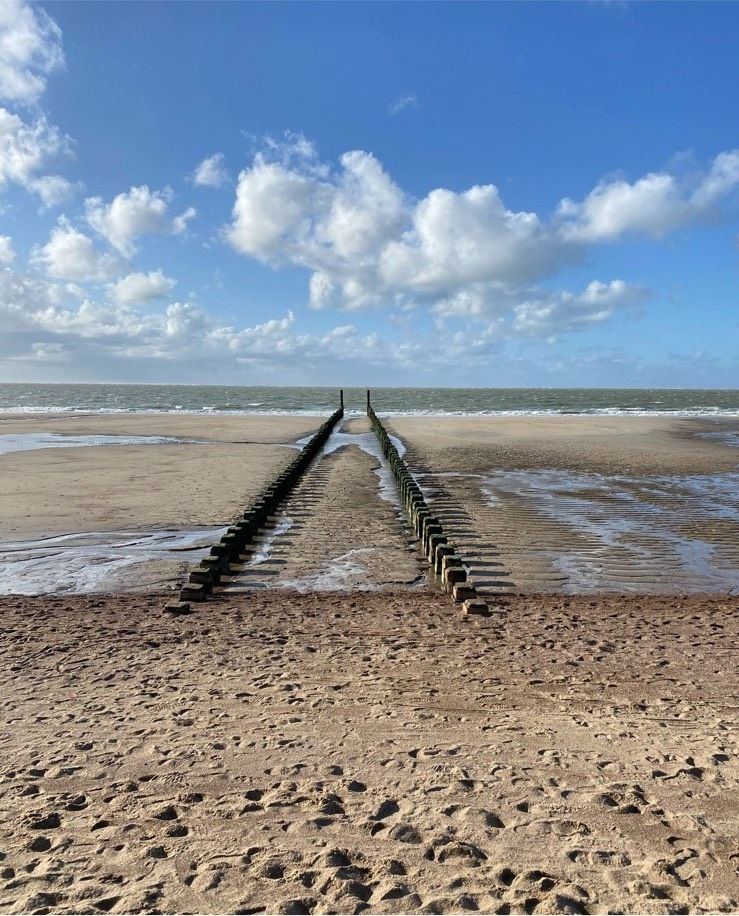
<point x="441" y="555"/>
<point x="204" y="577"/>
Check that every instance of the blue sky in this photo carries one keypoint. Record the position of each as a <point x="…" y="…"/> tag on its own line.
<point x="443" y="193"/>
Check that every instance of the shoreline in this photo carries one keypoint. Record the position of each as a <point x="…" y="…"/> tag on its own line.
<point x="354" y="412"/>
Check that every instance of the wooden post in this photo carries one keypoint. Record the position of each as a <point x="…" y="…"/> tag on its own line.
<point x="341" y="398"/>
<point x="368" y="399"/>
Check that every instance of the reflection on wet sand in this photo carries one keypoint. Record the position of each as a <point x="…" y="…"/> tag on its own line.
<point x="96" y="561"/>
<point x="552" y="529"/>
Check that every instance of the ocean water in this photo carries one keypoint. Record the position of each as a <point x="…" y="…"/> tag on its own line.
<point x="24" y="398"/>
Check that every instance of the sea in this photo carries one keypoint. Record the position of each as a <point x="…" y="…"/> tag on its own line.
<point x="233" y="399"/>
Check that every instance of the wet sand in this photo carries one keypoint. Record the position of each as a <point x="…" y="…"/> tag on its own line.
<point x="536" y="504"/>
<point x="108" y="488"/>
<point x="584" y="504"/>
<point x="348" y="753"/>
<point x="335" y="533"/>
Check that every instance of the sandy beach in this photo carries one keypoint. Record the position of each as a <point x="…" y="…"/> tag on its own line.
<point x="328" y="733"/>
<point x="369" y="458"/>
<point x="346" y="753"/>
<point x="56" y="491"/>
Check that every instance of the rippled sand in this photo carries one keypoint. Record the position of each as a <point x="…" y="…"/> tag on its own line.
<point x="585" y="504"/>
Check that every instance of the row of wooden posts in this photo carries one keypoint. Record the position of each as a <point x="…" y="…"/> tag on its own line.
<point x="440" y="553"/>
<point x="245" y="529"/>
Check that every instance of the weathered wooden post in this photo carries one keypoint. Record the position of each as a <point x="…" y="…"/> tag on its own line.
<point x="241" y="533"/>
<point x="341" y="398"/>
<point x="440" y="554"/>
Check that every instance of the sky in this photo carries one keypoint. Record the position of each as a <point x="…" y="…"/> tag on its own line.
<point x="472" y="194"/>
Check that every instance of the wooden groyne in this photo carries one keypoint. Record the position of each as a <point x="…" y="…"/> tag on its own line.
<point x="442" y="554"/>
<point x="439" y="551"/>
<point x="246" y="528"/>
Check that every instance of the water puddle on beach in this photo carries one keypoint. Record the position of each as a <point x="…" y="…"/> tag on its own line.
<point x="620" y="533"/>
<point x="724" y="436"/>
<point x="97" y="561"/>
<point x="25" y="442"/>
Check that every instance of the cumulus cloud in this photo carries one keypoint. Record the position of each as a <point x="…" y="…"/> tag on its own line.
<point x="367" y="243"/>
<point x="402" y="101"/>
<point x="463" y="254"/>
<point x="133" y="213"/>
<point x="460" y="239"/>
<point x="211" y="173"/>
<point x="7" y="254"/>
<point x="653" y="205"/>
<point x="71" y="255"/>
<point x="138" y="288"/>
<point x="25" y="150"/>
<point x="30" y="49"/>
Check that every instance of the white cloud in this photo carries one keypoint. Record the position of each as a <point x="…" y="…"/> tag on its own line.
<point x="272" y="211"/>
<point x="402" y="101"/>
<point x="367" y="244"/>
<point x="63" y="323"/>
<point x="52" y="189"/>
<point x="463" y="254"/>
<point x="30" y="49"/>
<point x="211" y="173"/>
<point x="25" y="149"/>
<point x="136" y="212"/>
<point x="70" y="255"/>
<point x="653" y="205"/>
<point x="138" y="288"/>
<point x="564" y="311"/>
<point x="48" y="353"/>
<point x="461" y="239"/>
<point x="52" y="317"/>
<point x="179" y="223"/>
<point x="7" y="254"/>
<point x="511" y="311"/>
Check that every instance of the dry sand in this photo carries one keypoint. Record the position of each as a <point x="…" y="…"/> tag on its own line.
<point x="618" y="444"/>
<point x="327" y="753"/>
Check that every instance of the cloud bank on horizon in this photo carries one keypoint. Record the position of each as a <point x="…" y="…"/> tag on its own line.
<point x="482" y="274"/>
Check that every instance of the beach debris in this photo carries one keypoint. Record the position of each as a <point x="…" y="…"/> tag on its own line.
<point x="177" y="608"/>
